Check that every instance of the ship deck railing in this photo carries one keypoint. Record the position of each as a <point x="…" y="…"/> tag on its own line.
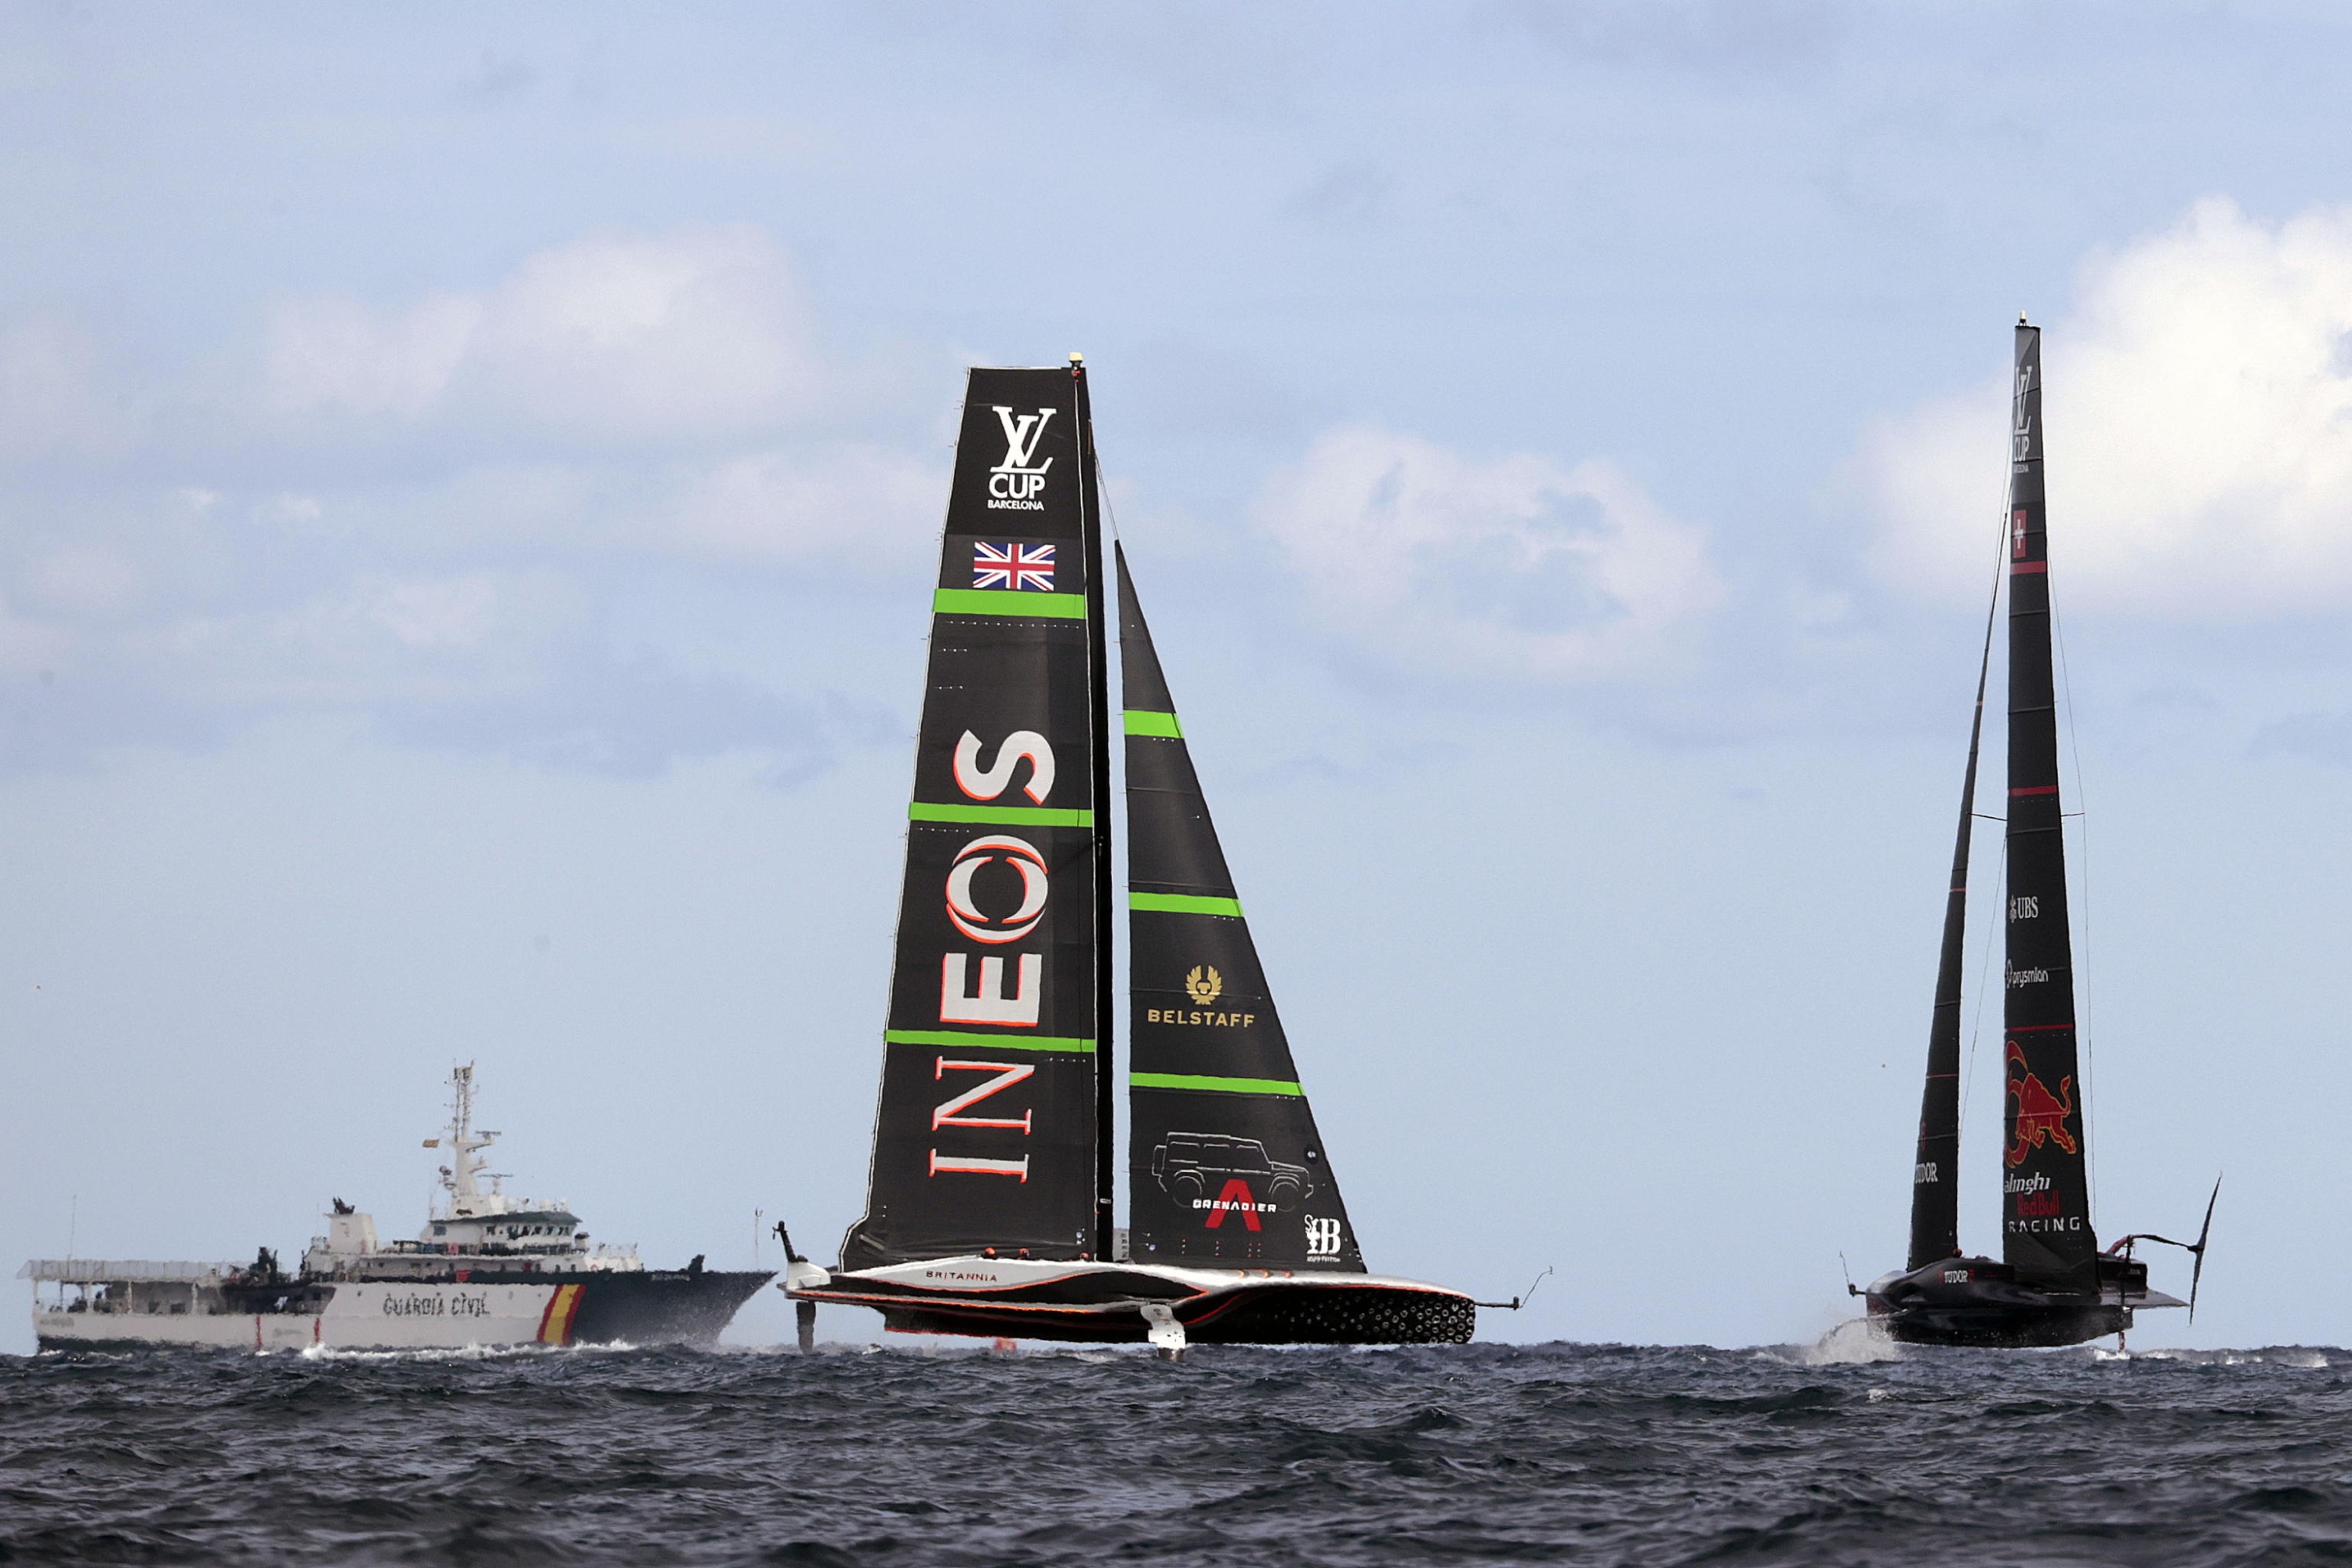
<point x="119" y="1271"/>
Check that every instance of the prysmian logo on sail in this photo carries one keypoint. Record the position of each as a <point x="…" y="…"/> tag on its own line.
<point x="1016" y="483"/>
<point x="2018" y="977"/>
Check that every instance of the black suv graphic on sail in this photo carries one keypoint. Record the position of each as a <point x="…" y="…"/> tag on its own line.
<point x="1190" y="1166"/>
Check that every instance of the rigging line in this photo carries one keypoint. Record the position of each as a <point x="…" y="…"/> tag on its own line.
<point x="1984" y="985"/>
<point x="2082" y="976"/>
<point x="1102" y="495"/>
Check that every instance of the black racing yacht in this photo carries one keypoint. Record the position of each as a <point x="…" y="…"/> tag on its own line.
<point x="2051" y="1284"/>
<point x="989" y="1196"/>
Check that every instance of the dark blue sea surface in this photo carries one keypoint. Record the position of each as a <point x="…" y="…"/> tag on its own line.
<point x="1473" y="1454"/>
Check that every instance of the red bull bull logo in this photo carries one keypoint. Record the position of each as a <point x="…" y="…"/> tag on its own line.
<point x="2041" y="1116"/>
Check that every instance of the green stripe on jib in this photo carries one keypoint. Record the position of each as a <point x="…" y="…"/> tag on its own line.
<point x="1007" y="816"/>
<point x="956" y="1041"/>
<point x="1142" y="722"/>
<point x="1216" y="1085"/>
<point x="1184" y="904"/>
<point x="1009" y="602"/>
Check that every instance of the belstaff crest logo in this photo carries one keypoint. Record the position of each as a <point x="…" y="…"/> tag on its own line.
<point x="1204" y="985"/>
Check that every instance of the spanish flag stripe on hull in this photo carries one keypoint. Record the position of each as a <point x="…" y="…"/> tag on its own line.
<point x="555" y="1323"/>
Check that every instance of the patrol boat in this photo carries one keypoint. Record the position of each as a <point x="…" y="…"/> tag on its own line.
<point x="487" y="1269"/>
<point x="2053" y="1285"/>
<point x="989" y="1204"/>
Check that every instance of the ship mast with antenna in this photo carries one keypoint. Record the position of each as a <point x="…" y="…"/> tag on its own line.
<point x="464" y="1200"/>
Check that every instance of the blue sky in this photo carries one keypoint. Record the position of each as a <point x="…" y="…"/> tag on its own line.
<point x="467" y="490"/>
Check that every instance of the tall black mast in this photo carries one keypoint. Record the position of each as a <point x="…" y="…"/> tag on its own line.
<point x="1098" y="760"/>
<point x="2045" y="1190"/>
<point x="1935" y="1188"/>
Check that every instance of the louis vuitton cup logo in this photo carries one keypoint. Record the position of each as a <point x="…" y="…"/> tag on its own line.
<point x="1017" y="483"/>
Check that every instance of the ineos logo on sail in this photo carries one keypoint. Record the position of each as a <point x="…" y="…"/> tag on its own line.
<point x="952" y="1114"/>
<point x="961" y="1000"/>
<point x="967" y="916"/>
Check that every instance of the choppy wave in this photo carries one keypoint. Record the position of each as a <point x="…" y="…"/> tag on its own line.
<point x="1846" y="1452"/>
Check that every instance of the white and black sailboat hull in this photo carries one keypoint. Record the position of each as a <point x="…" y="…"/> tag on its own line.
<point x="1117" y="1303"/>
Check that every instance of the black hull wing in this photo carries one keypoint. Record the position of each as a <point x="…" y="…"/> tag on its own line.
<point x="2007" y="1328"/>
<point x="1108" y="1305"/>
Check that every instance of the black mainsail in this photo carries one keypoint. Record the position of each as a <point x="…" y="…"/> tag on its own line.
<point x="2045" y="1194"/>
<point x="1225" y="1167"/>
<point x="989" y="1132"/>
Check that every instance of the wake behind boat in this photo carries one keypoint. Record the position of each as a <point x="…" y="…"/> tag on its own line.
<point x="2053" y="1285"/>
<point x="989" y="1206"/>
<point x="488" y="1270"/>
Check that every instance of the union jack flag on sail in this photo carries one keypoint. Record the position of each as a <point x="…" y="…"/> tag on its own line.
<point x="1012" y="567"/>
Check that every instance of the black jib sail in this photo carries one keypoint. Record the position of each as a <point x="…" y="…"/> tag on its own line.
<point x="1225" y="1167"/>
<point x="2046" y="1198"/>
<point x="989" y="1128"/>
<point x="1935" y="1171"/>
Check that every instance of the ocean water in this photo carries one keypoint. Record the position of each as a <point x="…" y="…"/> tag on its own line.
<point x="1850" y="1453"/>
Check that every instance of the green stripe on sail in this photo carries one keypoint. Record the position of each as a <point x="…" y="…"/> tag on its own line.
<point x="954" y="1040"/>
<point x="1009" y="602"/>
<point x="1184" y="904"/>
<point x="1215" y="1085"/>
<point x="1009" y="816"/>
<point x="1140" y="721"/>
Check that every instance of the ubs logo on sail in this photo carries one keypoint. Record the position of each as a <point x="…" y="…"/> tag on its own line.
<point x="1016" y="483"/>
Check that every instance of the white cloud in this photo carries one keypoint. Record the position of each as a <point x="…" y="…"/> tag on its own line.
<point x="27" y="646"/>
<point x="92" y="580"/>
<point x="2199" y="410"/>
<point x="58" y="395"/>
<point x="584" y="452"/>
<point x="695" y="336"/>
<point x="338" y="356"/>
<point x="780" y="506"/>
<point x="379" y="641"/>
<point x="1514" y="567"/>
